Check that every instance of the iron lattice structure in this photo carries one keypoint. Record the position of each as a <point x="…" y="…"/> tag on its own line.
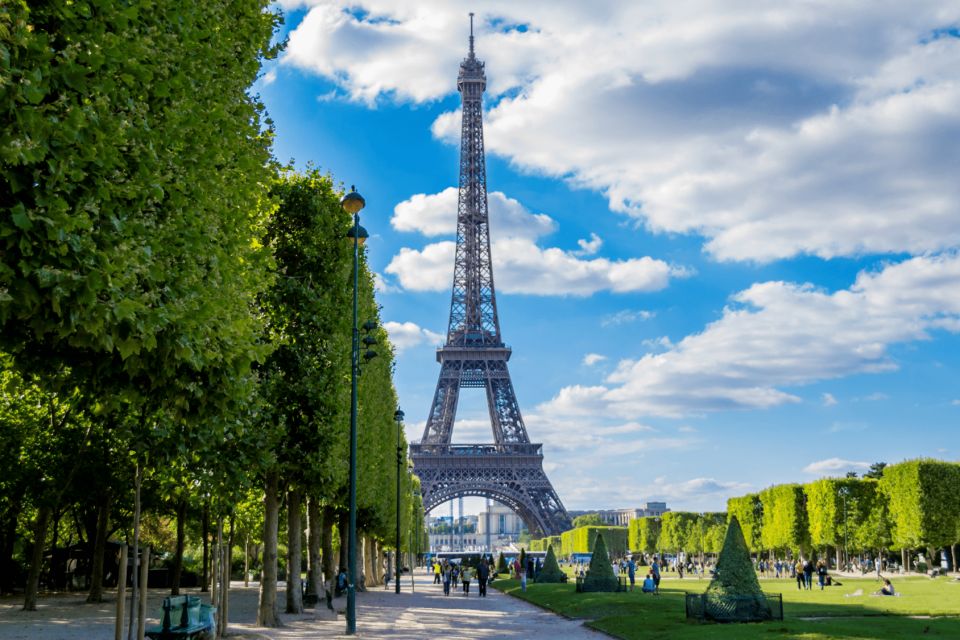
<point x="511" y="469"/>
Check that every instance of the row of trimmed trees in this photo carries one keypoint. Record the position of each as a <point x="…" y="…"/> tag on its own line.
<point x="906" y="507"/>
<point x="175" y="310"/>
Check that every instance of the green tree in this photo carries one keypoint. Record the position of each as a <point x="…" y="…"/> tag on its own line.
<point x="784" y="518"/>
<point x="749" y="512"/>
<point x="551" y="571"/>
<point x="679" y="532"/>
<point x="600" y="575"/>
<point x="588" y="519"/>
<point x="736" y="581"/>
<point x="644" y="534"/>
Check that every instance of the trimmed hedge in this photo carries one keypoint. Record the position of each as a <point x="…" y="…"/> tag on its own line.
<point x="583" y="539"/>
<point x="551" y="570"/>
<point x="600" y="575"/>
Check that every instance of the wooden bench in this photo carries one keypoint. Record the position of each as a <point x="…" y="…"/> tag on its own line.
<point x="184" y="617"/>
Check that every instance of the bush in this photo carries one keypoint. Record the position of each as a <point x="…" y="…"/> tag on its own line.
<point x="600" y="574"/>
<point x="551" y="570"/>
<point x="734" y="593"/>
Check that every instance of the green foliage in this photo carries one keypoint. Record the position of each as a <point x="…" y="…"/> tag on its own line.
<point x="583" y="539"/>
<point x="679" y="531"/>
<point x="551" y="571"/>
<point x="735" y="577"/>
<point x="502" y="564"/>
<point x="713" y="529"/>
<point x="588" y="519"/>
<point x="847" y="511"/>
<point x="924" y="499"/>
<point x="749" y="512"/>
<point x="600" y="575"/>
<point x="784" y="518"/>
<point x="644" y="534"/>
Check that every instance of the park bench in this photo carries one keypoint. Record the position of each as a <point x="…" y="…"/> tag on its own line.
<point x="184" y="617"/>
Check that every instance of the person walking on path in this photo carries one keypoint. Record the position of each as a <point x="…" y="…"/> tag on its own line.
<point x="447" y="571"/>
<point x="798" y="569"/>
<point x="436" y="572"/>
<point x="808" y="574"/>
<point x="821" y="573"/>
<point x="483" y="574"/>
<point x="465" y="577"/>
<point x="632" y="572"/>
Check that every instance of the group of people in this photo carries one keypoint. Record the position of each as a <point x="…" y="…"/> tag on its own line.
<point x="804" y="570"/>
<point x="452" y="574"/>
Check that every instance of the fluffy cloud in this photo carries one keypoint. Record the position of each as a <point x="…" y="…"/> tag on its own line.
<point x="828" y="399"/>
<point x="626" y="316"/>
<point x="777" y="334"/>
<point x="436" y="214"/>
<point x="772" y="130"/>
<point x="593" y="358"/>
<point x="835" y="466"/>
<point x="520" y="265"/>
<point x="405" y="335"/>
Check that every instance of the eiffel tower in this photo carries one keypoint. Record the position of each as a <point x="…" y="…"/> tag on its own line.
<point x="510" y="470"/>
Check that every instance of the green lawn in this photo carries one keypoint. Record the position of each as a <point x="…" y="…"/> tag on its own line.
<point x="810" y="615"/>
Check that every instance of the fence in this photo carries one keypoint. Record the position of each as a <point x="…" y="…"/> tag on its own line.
<point x="727" y="608"/>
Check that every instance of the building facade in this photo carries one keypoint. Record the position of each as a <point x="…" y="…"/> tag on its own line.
<point x="622" y="517"/>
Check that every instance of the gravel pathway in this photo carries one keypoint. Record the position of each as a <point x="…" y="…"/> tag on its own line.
<point x="425" y="614"/>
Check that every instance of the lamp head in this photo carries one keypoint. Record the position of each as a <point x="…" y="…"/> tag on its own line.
<point x="359" y="233"/>
<point x="353" y="202"/>
<point x="398" y="415"/>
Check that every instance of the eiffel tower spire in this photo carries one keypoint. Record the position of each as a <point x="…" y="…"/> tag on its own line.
<point x="511" y="469"/>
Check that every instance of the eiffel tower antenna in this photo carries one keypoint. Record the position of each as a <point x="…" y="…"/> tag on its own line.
<point x="509" y="470"/>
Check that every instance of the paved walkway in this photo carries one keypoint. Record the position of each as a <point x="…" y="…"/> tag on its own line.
<point x="424" y="614"/>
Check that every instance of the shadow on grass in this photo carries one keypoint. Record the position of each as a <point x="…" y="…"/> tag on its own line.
<point x="637" y="615"/>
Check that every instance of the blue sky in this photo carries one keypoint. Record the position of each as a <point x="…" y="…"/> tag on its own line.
<point x="725" y="238"/>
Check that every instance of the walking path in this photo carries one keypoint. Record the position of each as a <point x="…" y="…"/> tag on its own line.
<point x="426" y="613"/>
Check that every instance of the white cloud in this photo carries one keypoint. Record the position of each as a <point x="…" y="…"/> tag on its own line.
<point x="436" y="214"/>
<point x="626" y="316"/>
<point x="404" y="335"/>
<point x="835" y="466"/>
<point x="875" y="397"/>
<point x="589" y="247"/>
<point x="520" y="266"/>
<point x="779" y="335"/>
<point x="695" y="488"/>
<point x="956" y="403"/>
<point x="593" y="358"/>
<point x="771" y="129"/>
<point x="382" y="285"/>
<point x="828" y="400"/>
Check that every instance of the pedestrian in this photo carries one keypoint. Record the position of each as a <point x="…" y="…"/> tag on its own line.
<point x="446" y="578"/>
<point x="483" y="573"/>
<point x="631" y="572"/>
<point x="808" y="574"/>
<point x="655" y="568"/>
<point x="821" y="573"/>
<point x="523" y="579"/>
<point x="465" y="577"/>
<point x="436" y="572"/>
<point x="798" y="569"/>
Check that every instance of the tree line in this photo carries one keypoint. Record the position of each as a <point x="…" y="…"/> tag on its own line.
<point x="175" y="311"/>
<point x="907" y="507"/>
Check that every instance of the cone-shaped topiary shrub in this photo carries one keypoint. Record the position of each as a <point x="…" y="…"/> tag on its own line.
<point x="734" y="594"/>
<point x="600" y="574"/>
<point x="523" y="562"/>
<point x="551" y="571"/>
<point x="502" y="564"/>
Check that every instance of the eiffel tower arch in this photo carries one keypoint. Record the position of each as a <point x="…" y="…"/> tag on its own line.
<point x="510" y="469"/>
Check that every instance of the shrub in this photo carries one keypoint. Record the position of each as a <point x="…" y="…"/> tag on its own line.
<point x="734" y="594"/>
<point x="551" y="570"/>
<point x="600" y="574"/>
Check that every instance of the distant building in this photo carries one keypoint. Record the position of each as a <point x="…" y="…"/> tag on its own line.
<point x="622" y="517"/>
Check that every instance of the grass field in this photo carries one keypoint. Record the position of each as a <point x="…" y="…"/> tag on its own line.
<point x="927" y="608"/>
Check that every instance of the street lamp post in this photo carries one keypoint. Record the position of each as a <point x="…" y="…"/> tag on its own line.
<point x="398" y="416"/>
<point x="352" y="203"/>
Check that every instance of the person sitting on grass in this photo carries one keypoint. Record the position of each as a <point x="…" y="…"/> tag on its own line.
<point x="886" y="589"/>
<point x="649" y="586"/>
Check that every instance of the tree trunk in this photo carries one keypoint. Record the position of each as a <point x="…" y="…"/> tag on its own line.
<point x="36" y="558"/>
<point x="344" y="530"/>
<point x="953" y="558"/>
<point x="246" y="561"/>
<point x="326" y="544"/>
<point x="100" y="547"/>
<point x="267" y="609"/>
<point x="178" y="556"/>
<point x="294" y="551"/>
<point x="205" y="526"/>
<point x="138" y="478"/>
<point x="314" y="526"/>
<point x="904" y="557"/>
<point x="8" y="536"/>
